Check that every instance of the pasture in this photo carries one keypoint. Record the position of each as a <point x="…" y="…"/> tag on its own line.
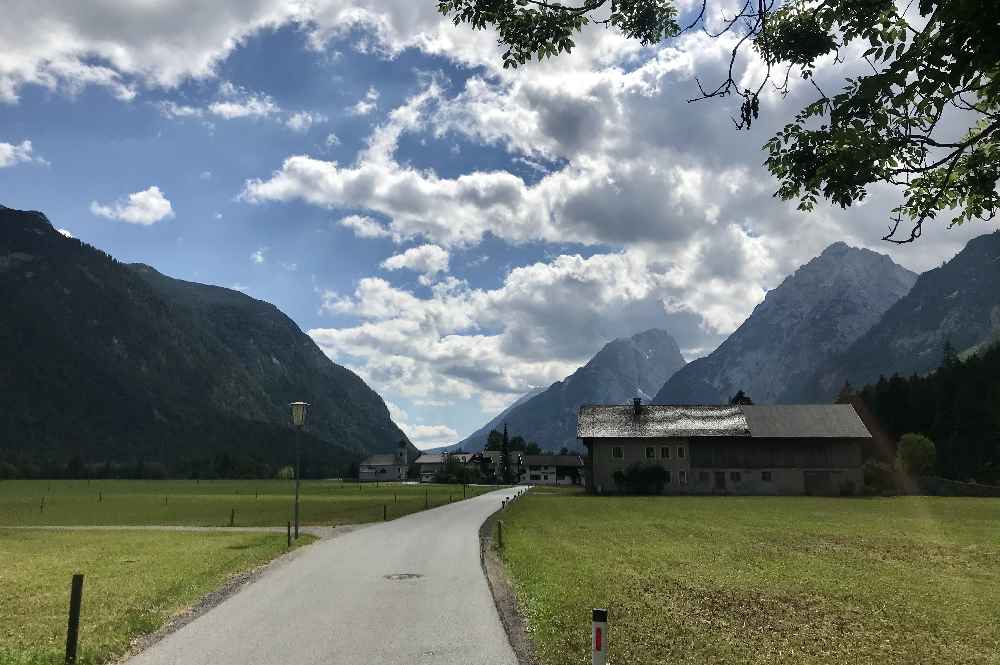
<point x="793" y="580"/>
<point x="134" y="582"/>
<point x="212" y="502"/>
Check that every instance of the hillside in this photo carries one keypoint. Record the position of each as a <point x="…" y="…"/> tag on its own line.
<point x="811" y="317"/>
<point x="623" y="369"/>
<point x="117" y="363"/>
<point x="477" y="439"/>
<point x="957" y="302"/>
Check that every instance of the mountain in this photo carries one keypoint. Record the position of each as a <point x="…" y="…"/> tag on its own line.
<point x="623" y="369"/>
<point x="111" y="363"/>
<point x="811" y="317"/>
<point x="957" y="303"/>
<point x="477" y="439"/>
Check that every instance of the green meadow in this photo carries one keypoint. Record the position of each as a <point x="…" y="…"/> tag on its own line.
<point x="212" y="502"/>
<point x="134" y="582"/>
<point x="793" y="580"/>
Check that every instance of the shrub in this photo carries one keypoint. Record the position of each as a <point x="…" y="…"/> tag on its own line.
<point x="880" y="478"/>
<point x="285" y="473"/>
<point x="915" y="455"/>
<point x="641" y="479"/>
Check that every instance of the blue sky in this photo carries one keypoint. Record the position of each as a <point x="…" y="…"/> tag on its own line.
<point x="455" y="233"/>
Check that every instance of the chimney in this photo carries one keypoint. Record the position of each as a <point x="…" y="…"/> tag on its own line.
<point x="636" y="406"/>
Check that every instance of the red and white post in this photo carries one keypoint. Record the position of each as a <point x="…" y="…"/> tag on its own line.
<point x="599" y="637"/>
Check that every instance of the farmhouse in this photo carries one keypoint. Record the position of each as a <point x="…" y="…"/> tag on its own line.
<point x="430" y="465"/>
<point x="552" y="470"/>
<point x="386" y="467"/>
<point x="740" y="449"/>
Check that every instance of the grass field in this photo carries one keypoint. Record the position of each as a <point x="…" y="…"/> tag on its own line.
<point x="210" y="502"/>
<point x="134" y="582"/>
<point x="792" y="580"/>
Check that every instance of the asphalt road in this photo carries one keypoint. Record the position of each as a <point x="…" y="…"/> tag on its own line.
<point x="351" y="600"/>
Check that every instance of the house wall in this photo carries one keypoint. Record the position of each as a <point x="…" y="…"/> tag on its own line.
<point x="386" y="472"/>
<point x="815" y="466"/>
<point x="604" y="464"/>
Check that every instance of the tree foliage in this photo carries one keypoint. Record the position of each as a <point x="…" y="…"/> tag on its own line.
<point x="915" y="455"/>
<point x="923" y="114"/>
<point x="957" y="406"/>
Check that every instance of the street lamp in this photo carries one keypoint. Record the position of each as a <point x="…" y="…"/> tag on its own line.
<point x="298" y="419"/>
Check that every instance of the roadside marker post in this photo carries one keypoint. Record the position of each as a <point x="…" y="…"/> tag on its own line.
<point x="232" y="517"/>
<point x="599" y="636"/>
<point x="500" y="534"/>
<point x="289" y="533"/>
<point x="73" y="627"/>
<point x="385" y="512"/>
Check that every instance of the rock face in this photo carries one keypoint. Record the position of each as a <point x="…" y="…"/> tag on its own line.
<point x="623" y="369"/>
<point x="958" y="302"/>
<point x="810" y="318"/>
<point x="115" y="363"/>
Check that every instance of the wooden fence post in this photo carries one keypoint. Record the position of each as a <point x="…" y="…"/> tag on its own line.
<point x="289" y="533"/>
<point x="232" y="517"/>
<point x="500" y="534"/>
<point x="73" y="627"/>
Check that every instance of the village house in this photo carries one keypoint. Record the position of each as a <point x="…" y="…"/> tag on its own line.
<point x="739" y="449"/>
<point x="387" y="466"/>
<point x="430" y="465"/>
<point x="552" y="470"/>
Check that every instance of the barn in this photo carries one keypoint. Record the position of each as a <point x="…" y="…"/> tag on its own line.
<point x="813" y="449"/>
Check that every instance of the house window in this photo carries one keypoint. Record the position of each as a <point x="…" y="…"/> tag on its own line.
<point x="617" y="452"/>
<point x="703" y="476"/>
<point x="734" y="476"/>
<point x="680" y="452"/>
<point x="668" y="476"/>
<point x="682" y="477"/>
<point x="535" y="476"/>
<point x="650" y="453"/>
<point x="765" y="476"/>
<point x="665" y="452"/>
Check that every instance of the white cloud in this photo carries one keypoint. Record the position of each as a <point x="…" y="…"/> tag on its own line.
<point x="304" y="120"/>
<point x="171" y="109"/>
<point x="365" y="227"/>
<point x="365" y="105"/>
<point x="146" y="207"/>
<point x="237" y="102"/>
<point x="428" y="260"/>
<point x="332" y="140"/>
<point x="205" y="175"/>
<point x="258" y="256"/>
<point x="18" y="153"/>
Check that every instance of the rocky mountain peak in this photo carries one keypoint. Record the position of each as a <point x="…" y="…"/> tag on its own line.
<point x="814" y="314"/>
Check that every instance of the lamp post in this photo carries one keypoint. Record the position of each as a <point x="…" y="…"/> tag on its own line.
<point x="298" y="419"/>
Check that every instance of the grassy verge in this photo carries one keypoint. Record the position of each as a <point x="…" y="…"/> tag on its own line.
<point x="135" y="581"/>
<point x="759" y="580"/>
<point x="210" y="503"/>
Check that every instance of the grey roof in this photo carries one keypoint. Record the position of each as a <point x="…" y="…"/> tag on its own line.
<point x="553" y="460"/>
<point x="758" y="421"/>
<point x="805" y="420"/>
<point x="431" y="458"/>
<point x="387" y="459"/>
<point x="660" y="420"/>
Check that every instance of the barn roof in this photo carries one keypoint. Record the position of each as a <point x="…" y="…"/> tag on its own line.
<point x="756" y="421"/>
<point x="431" y="458"/>
<point x="660" y="420"/>
<point x="805" y="421"/>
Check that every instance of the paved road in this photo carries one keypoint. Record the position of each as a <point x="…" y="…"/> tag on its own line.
<point x="333" y="603"/>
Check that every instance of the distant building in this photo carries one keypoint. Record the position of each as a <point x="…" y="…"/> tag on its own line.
<point x="492" y="471"/>
<point x="552" y="470"/>
<point x="386" y="467"/>
<point x="430" y="465"/>
<point x="733" y="449"/>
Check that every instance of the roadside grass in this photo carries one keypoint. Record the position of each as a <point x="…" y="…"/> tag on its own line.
<point x="794" y="580"/>
<point x="210" y="502"/>
<point x="134" y="582"/>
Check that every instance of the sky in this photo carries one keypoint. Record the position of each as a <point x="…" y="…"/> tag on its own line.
<point x="455" y="233"/>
